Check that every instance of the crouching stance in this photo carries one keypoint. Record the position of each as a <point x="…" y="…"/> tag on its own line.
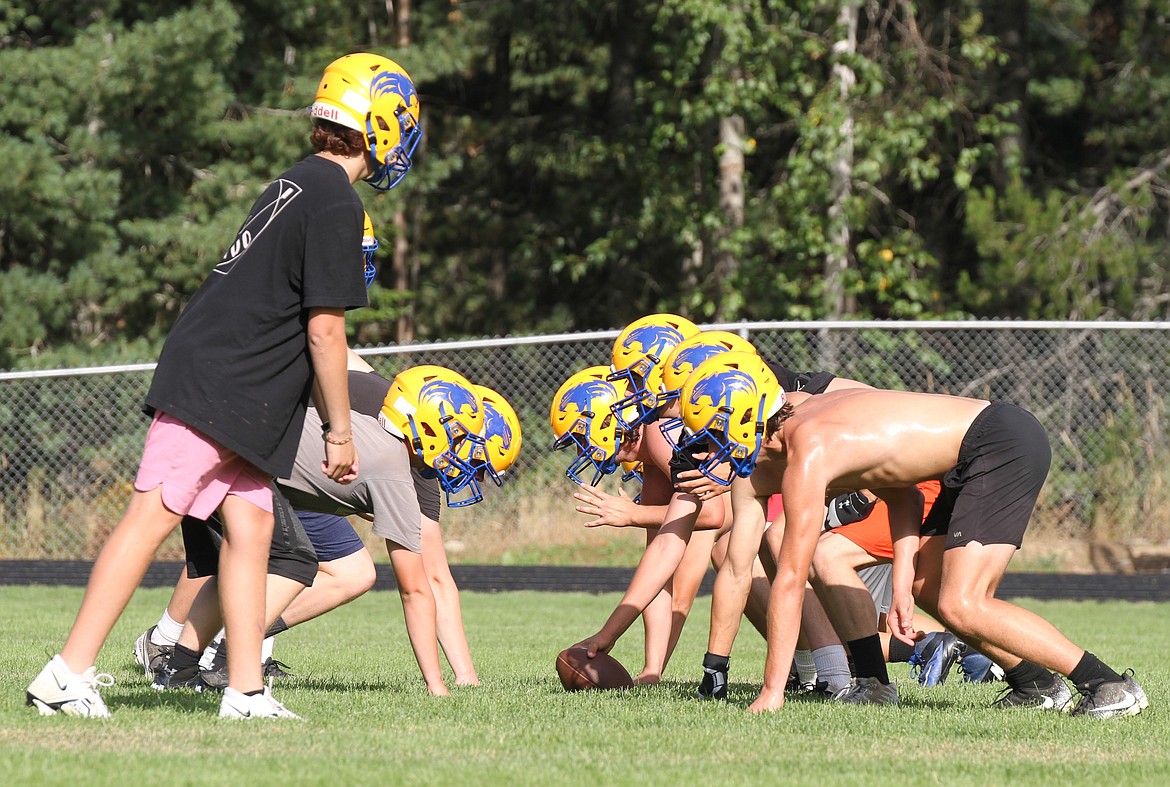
<point x="992" y="459"/>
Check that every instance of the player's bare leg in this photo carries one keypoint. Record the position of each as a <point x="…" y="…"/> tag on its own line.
<point x="116" y="574"/>
<point x="452" y="636"/>
<point x="967" y="605"/>
<point x="243" y="561"/>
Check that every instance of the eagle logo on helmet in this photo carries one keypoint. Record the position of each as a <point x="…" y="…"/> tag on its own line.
<point x="396" y="83"/>
<point x="582" y="395"/>
<point x="654" y="340"/>
<point x="495" y="425"/>
<point x="691" y="357"/>
<point x="441" y="392"/>
<point x="720" y="387"/>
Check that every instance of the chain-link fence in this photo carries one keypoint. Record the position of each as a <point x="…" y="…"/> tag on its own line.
<point x="70" y="439"/>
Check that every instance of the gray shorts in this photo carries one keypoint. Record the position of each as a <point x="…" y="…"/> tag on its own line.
<point x="880" y="581"/>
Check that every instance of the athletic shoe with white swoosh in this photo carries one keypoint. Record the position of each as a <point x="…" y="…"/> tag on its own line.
<point x="1055" y="697"/>
<point x="237" y="705"/>
<point x="58" y="689"/>
<point x="1108" y="699"/>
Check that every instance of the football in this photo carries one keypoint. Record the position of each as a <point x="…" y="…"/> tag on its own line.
<point x="578" y="672"/>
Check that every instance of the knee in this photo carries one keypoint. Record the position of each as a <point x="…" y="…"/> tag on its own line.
<point x="351" y="576"/>
<point x="827" y="562"/>
<point x="362" y="579"/>
<point x="960" y="612"/>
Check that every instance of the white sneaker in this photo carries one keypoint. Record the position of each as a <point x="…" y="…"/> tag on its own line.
<point x="236" y="705"/>
<point x="59" y="688"/>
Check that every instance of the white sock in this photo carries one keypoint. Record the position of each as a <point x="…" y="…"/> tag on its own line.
<point x="806" y="668"/>
<point x="832" y="666"/>
<point x="167" y="630"/>
<point x="210" y="651"/>
<point x="266" y="649"/>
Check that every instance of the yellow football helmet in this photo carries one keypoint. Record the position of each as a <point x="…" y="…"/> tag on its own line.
<point x="688" y="354"/>
<point x="369" y="246"/>
<point x="439" y="415"/>
<point x="374" y="95"/>
<point x="638" y="353"/>
<point x="501" y="434"/>
<point x="582" y="416"/>
<point x="726" y="403"/>
<point x="684" y="359"/>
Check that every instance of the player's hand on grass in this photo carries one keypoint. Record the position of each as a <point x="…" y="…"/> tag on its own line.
<point x="341" y="462"/>
<point x="606" y="509"/>
<point x="768" y="700"/>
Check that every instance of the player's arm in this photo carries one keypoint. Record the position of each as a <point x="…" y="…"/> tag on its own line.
<point x="695" y="483"/>
<point x="356" y="363"/>
<point x="803" y="488"/>
<point x="734" y="580"/>
<point x="329" y="351"/>
<point x="616" y="510"/>
<point x="657" y="566"/>
<point x="905" y="512"/>
<point x="620" y="511"/>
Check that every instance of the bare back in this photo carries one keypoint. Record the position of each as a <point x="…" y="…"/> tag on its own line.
<point x="867" y="438"/>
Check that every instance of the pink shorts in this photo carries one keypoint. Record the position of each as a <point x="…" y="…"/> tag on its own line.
<point x="195" y="472"/>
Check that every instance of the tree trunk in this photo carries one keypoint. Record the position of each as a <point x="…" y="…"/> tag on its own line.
<point x="1007" y="20"/>
<point x="837" y="303"/>
<point x="401" y="262"/>
<point x="731" y="203"/>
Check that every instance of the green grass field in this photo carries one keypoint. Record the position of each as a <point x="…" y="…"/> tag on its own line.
<point x="368" y="719"/>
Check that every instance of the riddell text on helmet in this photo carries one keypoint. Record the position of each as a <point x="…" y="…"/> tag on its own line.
<point x="326" y="112"/>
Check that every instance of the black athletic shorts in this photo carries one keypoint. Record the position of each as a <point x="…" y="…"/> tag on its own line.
<point x="291" y="554"/>
<point x="427" y="490"/>
<point x="989" y="495"/>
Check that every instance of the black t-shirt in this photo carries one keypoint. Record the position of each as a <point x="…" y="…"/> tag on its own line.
<point x="236" y="365"/>
<point x="809" y="382"/>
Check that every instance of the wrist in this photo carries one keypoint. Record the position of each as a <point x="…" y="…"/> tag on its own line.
<point x="334" y="438"/>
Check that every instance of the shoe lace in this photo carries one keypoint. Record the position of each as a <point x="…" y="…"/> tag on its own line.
<point x="854" y="688"/>
<point x="1004" y="694"/>
<point x="277" y="705"/>
<point x="275" y="668"/>
<point x="916" y="663"/>
<point x="1088" y="691"/>
<point x="103" y="679"/>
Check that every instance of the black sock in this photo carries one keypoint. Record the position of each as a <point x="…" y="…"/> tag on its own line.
<point x="276" y="628"/>
<point x="184" y="661"/>
<point x="1091" y="669"/>
<point x="900" y="652"/>
<point x="868" y="658"/>
<point x="252" y="693"/>
<point x="1028" y="675"/>
<point x="721" y="663"/>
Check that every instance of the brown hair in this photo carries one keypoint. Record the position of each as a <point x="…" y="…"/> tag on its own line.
<point x="329" y="137"/>
<point x="778" y="419"/>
